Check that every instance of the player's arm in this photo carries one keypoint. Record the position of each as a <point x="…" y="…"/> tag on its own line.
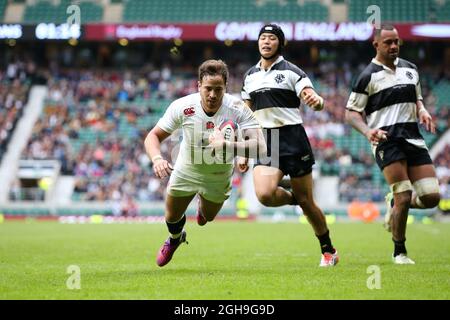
<point x="249" y="104"/>
<point x="312" y="99"/>
<point x="424" y="117"/>
<point x="242" y="162"/>
<point x="355" y="108"/>
<point x="161" y="166"/>
<point x="422" y="114"/>
<point x="252" y="144"/>
<point x="357" y="121"/>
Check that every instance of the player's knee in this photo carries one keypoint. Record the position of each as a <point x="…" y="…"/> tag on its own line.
<point x="403" y="200"/>
<point x="306" y="204"/>
<point x="430" y="200"/>
<point x="427" y="190"/>
<point x="402" y="194"/>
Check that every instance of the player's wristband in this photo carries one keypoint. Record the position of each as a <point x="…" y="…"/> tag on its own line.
<point x="157" y="157"/>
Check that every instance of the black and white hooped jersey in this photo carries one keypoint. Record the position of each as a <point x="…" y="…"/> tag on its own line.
<point x="275" y="93"/>
<point x="389" y="98"/>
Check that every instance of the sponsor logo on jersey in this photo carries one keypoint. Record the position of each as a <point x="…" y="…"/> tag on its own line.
<point x="189" y="111"/>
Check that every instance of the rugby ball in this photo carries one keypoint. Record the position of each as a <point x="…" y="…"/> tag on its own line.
<point x="229" y="129"/>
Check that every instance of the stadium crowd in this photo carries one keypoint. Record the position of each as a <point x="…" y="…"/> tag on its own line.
<point x="95" y="120"/>
<point x="442" y="163"/>
<point x="14" y="88"/>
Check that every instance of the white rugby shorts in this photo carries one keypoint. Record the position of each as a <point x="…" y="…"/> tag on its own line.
<point x="214" y="188"/>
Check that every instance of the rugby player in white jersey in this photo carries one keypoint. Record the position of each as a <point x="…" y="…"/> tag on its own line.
<point x="198" y="170"/>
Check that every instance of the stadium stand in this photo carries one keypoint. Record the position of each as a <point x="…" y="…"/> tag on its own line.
<point x="12" y="99"/>
<point x="398" y="11"/>
<point x="233" y="10"/>
<point x="402" y="10"/>
<point x="199" y="11"/>
<point x="14" y="88"/>
<point x="442" y="162"/>
<point x="443" y="12"/>
<point x="48" y="11"/>
<point x="3" y="4"/>
<point x="94" y="121"/>
<point x="94" y="124"/>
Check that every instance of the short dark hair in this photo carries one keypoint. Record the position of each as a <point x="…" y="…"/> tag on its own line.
<point x="377" y="33"/>
<point x="213" y="68"/>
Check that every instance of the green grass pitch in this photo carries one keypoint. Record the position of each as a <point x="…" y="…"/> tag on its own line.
<point x="223" y="260"/>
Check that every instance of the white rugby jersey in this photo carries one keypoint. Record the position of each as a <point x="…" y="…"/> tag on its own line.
<point x="275" y="93"/>
<point x="187" y="114"/>
<point x="389" y="98"/>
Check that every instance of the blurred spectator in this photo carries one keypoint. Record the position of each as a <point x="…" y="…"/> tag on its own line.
<point x="95" y="120"/>
<point x="13" y="97"/>
<point x="442" y="163"/>
<point x="129" y="208"/>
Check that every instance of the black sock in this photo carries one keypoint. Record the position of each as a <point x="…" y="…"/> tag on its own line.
<point x="325" y="243"/>
<point x="176" y="227"/>
<point x="399" y="247"/>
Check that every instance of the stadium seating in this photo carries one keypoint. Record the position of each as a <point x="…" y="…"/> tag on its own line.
<point x="2" y="9"/>
<point x="443" y="12"/>
<point x="213" y="11"/>
<point x="47" y="12"/>
<point x="100" y="139"/>
<point x="355" y="145"/>
<point x="393" y="11"/>
<point x="102" y="109"/>
<point x="13" y="96"/>
<point x="200" y="11"/>
<point x="443" y="171"/>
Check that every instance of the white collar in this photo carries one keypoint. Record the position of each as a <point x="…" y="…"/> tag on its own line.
<point x="280" y="58"/>
<point x="374" y="60"/>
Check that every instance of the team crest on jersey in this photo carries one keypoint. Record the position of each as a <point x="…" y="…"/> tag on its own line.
<point x="209" y="125"/>
<point x="279" y="78"/>
<point x="409" y="75"/>
<point x="189" y="111"/>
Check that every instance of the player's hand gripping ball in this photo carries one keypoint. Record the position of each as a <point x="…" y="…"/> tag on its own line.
<point x="227" y="132"/>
